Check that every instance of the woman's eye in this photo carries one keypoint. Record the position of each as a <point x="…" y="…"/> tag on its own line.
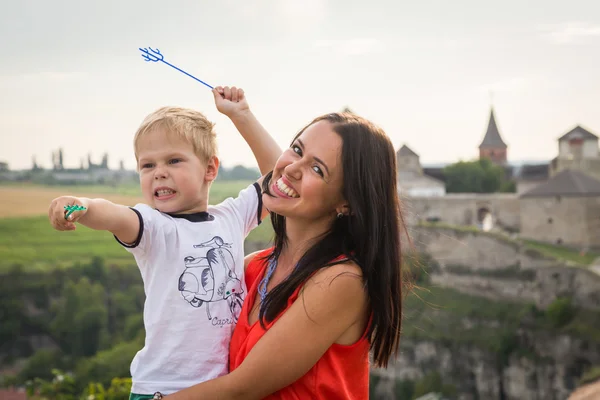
<point x="318" y="170"/>
<point x="297" y="150"/>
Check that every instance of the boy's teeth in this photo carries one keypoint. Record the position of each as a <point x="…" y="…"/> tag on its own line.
<point x="286" y="189"/>
<point x="164" y="192"/>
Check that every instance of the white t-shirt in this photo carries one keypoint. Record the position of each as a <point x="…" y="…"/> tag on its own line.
<point x="193" y="271"/>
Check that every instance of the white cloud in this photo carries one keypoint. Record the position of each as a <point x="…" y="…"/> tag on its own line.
<point x="569" y="32"/>
<point x="352" y="47"/>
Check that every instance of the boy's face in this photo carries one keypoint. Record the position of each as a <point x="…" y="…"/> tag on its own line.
<point x="172" y="177"/>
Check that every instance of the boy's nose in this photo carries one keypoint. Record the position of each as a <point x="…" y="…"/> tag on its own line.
<point x="160" y="173"/>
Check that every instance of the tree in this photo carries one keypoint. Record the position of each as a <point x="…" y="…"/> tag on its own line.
<point x="239" y="172"/>
<point x="81" y="318"/>
<point x="60" y="159"/>
<point x="480" y="176"/>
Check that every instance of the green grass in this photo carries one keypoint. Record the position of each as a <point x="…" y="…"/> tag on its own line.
<point x="442" y="225"/>
<point x="537" y="249"/>
<point x="439" y="314"/>
<point x="562" y="253"/>
<point x="33" y="242"/>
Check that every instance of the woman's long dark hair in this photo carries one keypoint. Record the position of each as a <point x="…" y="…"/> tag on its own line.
<point x="370" y="235"/>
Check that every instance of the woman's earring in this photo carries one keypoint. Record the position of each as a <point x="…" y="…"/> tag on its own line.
<point x="340" y="215"/>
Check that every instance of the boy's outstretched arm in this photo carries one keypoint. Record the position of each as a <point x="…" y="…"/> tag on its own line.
<point x="232" y="102"/>
<point x="99" y="214"/>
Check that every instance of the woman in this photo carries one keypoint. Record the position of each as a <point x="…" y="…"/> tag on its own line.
<point x="330" y="289"/>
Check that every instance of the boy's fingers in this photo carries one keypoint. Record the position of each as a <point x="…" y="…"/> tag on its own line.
<point x="75" y="216"/>
<point x="241" y="94"/>
<point x="234" y="94"/>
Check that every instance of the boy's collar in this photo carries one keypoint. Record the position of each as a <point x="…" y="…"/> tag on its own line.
<point x="201" y="216"/>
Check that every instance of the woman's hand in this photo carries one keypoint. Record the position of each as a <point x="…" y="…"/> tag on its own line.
<point x="231" y="101"/>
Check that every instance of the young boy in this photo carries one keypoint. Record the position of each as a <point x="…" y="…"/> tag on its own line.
<point x="190" y="254"/>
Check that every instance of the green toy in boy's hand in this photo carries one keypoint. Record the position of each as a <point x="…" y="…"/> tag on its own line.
<point x="72" y="208"/>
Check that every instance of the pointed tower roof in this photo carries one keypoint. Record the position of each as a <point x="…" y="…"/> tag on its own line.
<point x="492" y="138"/>
<point x="406" y="151"/>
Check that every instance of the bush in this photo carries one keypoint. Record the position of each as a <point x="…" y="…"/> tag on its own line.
<point x="404" y="389"/>
<point x="590" y="376"/>
<point x="118" y="390"/>
<point x="432" y="382"/>
<point x="107" y="364"/>
<point x="373" y="381"/>
<point x="40" y="365"/>
<point x="560" y="312"/>
<point x="61" y="387"/>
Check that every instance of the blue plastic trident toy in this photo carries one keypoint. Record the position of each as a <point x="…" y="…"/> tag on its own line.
<point x="154" y="55"/>
<point x="71" y="209"/>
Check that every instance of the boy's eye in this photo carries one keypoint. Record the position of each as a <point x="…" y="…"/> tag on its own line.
<point x="296" y="149"/>
<point x="318" y="170"/>
<point x="147" y="165"/>
<point x="174" y="161"/>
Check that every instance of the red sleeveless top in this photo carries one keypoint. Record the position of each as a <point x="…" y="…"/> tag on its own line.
<point x="341" y="373"/>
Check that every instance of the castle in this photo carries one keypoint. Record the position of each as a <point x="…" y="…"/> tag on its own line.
<point x="92" y="173"/>
<point x="556" y="202"/>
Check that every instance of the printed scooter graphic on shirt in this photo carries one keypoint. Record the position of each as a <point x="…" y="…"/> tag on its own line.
<point x="211" y="278"/>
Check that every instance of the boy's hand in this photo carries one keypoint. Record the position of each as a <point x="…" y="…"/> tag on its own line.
<point x="57" y="212"/>
<point x="230" y="101"/>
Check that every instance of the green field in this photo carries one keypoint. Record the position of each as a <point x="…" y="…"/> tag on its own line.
<point x="33" y="243"/>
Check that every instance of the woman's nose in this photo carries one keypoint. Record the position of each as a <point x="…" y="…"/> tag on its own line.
<point x="293" y="170"/>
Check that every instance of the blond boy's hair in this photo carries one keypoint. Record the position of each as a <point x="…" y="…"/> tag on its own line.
<point x="188" y="124"/>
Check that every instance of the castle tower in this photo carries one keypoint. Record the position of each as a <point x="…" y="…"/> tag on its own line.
<point x="408" y="162"/>
<point x="492" y="146"/>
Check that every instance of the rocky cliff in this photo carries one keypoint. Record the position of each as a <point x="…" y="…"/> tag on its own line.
<point x="494" y="318"/>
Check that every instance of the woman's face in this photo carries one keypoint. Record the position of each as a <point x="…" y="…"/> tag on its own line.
<point x="307" y="179"/>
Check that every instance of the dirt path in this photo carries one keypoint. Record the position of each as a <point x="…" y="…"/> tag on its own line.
<point x="21" y="202"/>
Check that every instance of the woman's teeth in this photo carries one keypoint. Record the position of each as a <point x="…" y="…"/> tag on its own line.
<point x="286" y="189"/>
<point x="164" y="192"/>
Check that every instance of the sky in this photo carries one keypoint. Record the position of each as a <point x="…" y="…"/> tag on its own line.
<point x="427" y="72"/>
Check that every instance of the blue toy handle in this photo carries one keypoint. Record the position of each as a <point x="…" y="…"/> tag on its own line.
<point x="154" y="55"/>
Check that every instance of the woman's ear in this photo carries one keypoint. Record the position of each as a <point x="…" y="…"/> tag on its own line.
<point x="345" y="210"/>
